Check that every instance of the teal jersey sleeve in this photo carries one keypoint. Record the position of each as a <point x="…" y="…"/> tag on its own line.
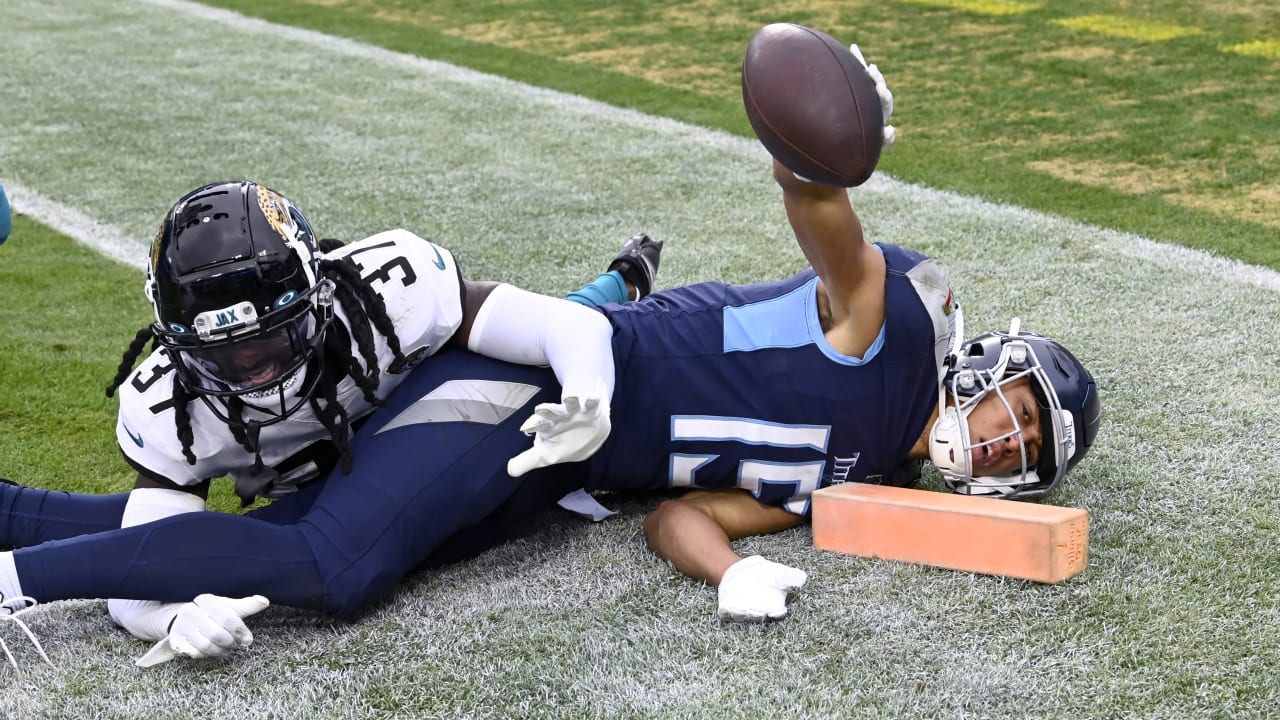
<point x="6" y="219"/>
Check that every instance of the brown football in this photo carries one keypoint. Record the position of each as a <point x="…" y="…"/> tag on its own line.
<point x="812" y="104"/>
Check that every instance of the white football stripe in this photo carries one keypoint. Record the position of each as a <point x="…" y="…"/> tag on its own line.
<point x="487" y="402"/>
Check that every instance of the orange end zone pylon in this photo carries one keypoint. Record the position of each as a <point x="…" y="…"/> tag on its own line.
<point x="984" y="535"/>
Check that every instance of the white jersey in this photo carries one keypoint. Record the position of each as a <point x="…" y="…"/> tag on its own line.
<point x="422" y="288"/>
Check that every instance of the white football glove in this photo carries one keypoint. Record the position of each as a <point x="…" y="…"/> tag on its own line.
<point x="209" y="626"/>
<point x="567" y="431"/>
<point x="886" y="97"/>
<point x="755" y="590"/>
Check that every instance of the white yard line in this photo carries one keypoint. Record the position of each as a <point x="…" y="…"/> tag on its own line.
<point x="114" y="242"/>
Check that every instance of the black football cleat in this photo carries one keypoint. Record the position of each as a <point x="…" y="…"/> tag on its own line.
<point x="637" y="261"/>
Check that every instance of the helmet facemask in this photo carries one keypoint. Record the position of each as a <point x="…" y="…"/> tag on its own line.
<point x="974" y="377"/>
<point x="239" y="302"/>
<point x="265" y="361"/>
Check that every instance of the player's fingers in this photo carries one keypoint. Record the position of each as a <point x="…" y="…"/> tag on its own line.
<point x="877" y="77"/>
<point x="209" y="635"/>
<point x="776" y="611"/>
<point x="534" y="424"/>
<point x="228" y="615"/>
<point x="741" y="614"/>
<point x="886" y="101"/>
<point x="187" y="648"/>
<point x="572" y="405"/>
<point x="242" y="635"/>
<point x="161" y="652"/>
<point x="524" y="462"/>
<point x="592" y="404"/>
<point x="550" y="411"/>
<point x="858" y="54"/>
<point x="232" y="623"/>
<point x="252" y="605"/>
<point x="789" y="578"/>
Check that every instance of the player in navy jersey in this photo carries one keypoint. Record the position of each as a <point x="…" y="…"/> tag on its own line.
<point x="853" y="371"/>
<point x="754" y="396"/>
<point x="750" y="396"/>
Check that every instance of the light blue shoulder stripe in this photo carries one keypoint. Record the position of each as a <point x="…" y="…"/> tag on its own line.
<point x="773" y="323"/>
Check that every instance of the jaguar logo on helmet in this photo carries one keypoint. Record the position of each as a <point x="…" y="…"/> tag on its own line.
<point x="277" y="214"/>
<point x="244" y="260"/>
<point x="234" y="261"/>
<point x="288" y="223"/>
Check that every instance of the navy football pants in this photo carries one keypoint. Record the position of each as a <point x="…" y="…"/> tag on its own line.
<point x="428" y="485"/>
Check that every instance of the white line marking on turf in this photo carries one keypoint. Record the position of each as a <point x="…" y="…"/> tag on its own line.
<point x="455" y="73"/>
<point x="112" y="243"/>
<point x="74" y="224"/>
<point x="1182" y="258"/>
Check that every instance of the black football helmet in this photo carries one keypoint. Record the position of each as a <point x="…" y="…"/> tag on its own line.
<point x="1070" y="411"/>
<point x="239" y="302"/>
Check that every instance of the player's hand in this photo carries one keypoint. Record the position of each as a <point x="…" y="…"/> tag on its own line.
<point x="209" y="626"/>
<point x="755" y="590"/>
<point x="567" y="431"/>
<point x="886" y="97"/>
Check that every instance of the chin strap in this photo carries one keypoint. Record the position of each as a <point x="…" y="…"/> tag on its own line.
<point x="957" y="339"/>
<point x="949" y="361"/>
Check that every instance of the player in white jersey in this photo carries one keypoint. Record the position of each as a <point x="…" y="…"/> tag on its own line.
<point x="269" y="348"/>
<point x="270" y="351"/>
<point x="423" y="304"/>
<point x="284" y="347"/>
<point x="999" y="427"/>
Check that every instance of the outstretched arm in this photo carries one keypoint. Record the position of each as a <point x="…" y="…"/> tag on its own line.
<point x="851" y="296"/>
<point x="852" y="271"/>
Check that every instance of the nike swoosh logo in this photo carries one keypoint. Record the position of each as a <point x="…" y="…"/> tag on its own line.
<point x="439" y="261"/>
<point x="137" y="439"/>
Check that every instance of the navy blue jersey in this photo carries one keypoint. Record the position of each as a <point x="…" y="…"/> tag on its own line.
<point x="718" y="386"/>
<point x="736" y="385"/>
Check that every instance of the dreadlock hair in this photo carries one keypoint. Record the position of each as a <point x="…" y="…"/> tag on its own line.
<point x="131" y="356"/>
<point x="365" y="311"/>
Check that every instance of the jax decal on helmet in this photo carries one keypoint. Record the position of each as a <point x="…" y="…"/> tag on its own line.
<point x="234" y="285"/>
<point x="256" y="322"/>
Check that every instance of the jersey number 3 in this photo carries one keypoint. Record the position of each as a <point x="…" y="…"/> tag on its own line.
<point x="382" y="274"/>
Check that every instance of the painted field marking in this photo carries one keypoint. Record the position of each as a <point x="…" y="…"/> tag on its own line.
<point x="1112" y="25"/>
<point x="982" y="7"/>
<point x="1269" y="49"/>
<point x="1123" y="27"/>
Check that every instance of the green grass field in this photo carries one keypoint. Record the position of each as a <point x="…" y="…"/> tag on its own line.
<point x="1157" y="118"/>
<point x="1112" y="144"/>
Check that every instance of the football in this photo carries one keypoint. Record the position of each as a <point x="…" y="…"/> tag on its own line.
<point x="812" y="104"/>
